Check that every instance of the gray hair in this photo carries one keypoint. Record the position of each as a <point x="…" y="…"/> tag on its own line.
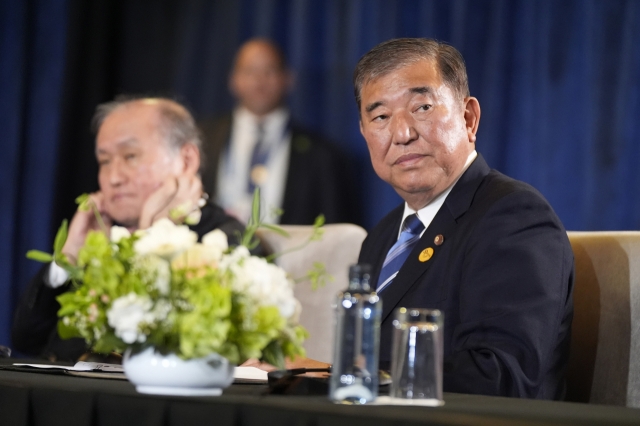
<point x="177" y="124"/>
<point x="397" y="53"/>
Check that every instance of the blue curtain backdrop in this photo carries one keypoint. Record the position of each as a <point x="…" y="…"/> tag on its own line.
<point x="32" y="56"/>
<point x="558" y="83"/>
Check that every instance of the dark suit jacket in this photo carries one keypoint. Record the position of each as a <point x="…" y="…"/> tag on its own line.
<point x="318" y="176"/>
<point x="34" y="331"/>
<point x="503" y="278"/>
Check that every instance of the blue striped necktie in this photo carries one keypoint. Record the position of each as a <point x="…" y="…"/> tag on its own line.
<point x="259" y="157"/>
<point x="411" y="230"/>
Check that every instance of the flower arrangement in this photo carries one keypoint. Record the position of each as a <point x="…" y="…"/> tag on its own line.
<point x="160" y="287"/>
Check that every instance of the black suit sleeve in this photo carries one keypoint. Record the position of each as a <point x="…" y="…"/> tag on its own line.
<point x="214" y="217"/>
<point x="515" y="303"/>
<point x="34" y="330"/>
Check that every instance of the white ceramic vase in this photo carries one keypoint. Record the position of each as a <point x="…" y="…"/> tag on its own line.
<point x="154" y="373"/>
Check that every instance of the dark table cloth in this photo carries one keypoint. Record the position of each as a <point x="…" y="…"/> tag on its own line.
<point x="34" y="399"/>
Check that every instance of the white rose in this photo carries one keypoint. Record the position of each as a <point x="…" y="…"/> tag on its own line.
<point x="235" y="257"/>
<point x="264" y="283"/>
<point x="197" y="257"/>
<point x="165" y="239"/>
<point x="217" y="239"/>
<point x="126" y="315"/>
<point x="118" y="232"/>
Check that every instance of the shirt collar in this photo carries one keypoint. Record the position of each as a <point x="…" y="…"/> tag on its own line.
<point x="275" y="120"/>
<point x="428" y="212"/>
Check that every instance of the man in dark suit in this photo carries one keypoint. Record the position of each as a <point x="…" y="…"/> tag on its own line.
<point x="148" y="155"/>
<point x="258" y="145"/>
<point x="485" y="249"/>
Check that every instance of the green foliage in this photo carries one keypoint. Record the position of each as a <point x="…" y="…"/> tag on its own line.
<point x="275" y="228"/>
<point x="205" y="314"/>
<point x="318" y="275"/>
<point x="67" y="331"/>
<point x="316" y="235"/>
<point x="39" y="256"/>
<point x="61" y="238"/>
<point x="58" y="244"/>
<point x="205" y="327"/>
<point x="256" y="221"/>
<point x="274" y="355"/>
<point x="83" y="201"/>
<point x="191" y="310"/>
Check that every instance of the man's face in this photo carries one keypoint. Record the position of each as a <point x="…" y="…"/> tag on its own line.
<point x="134" y="160"/>
<point x="259" y="81"/>
<point x="416" y="131"/>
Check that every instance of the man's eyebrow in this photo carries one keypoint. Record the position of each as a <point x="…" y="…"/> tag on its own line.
<point x="417" y="90"/>
<point x="421" y="90"/>
<point x="373" y="106"/>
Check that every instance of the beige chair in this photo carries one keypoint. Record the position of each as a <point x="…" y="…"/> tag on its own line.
<point x="339" y="248"/>
<point x="604" y="365"/>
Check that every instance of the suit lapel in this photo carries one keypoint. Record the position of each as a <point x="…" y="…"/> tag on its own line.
<point x="444" y="223"/>
<point x="415" y="266"/>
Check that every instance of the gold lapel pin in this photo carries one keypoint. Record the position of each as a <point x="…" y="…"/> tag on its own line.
<point x="425" y="254"/>
<point x="438" y="240"/>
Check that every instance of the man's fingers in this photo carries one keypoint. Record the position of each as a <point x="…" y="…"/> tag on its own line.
<point x="175" y="199"/>
<point x="189" y="191"/>
<point x="158" y="202"/>
<point x="186" y="198"/>
<point x="83" y="222"/>
<point x="98" y="200"/>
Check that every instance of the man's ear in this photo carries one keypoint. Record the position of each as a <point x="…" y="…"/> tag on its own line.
<point x="471" y="117"/>
<point x="190" y="156"/>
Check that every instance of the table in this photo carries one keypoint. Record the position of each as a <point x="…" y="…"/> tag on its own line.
<point x="47" y="399"/>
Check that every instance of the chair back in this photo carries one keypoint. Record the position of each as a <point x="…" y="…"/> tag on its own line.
<point x="338" y="248"/>
<point x="604" y="363"/>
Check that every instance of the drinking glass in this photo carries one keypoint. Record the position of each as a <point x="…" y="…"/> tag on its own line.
<point x="416" y="360"/>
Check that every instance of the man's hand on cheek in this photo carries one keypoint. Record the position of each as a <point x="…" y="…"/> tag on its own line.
<point x="174" y="194"/>
<point x="83" y="222"/>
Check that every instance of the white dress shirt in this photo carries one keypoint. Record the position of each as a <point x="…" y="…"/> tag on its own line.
<point x="235" y="162"/>
<point x="427" y="213"/>
<point x="56" y="276"/>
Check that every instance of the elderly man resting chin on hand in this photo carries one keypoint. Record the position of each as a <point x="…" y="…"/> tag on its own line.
<point x="148" y="151"/>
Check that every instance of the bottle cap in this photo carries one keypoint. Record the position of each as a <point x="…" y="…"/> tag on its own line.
<point x="359" y="276"/>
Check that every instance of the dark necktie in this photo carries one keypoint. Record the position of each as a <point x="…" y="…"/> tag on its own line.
<point x="412" y="227"/>
<point x="258" y="169"/>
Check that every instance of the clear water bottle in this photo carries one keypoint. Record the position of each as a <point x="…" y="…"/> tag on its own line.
<point x="354" y="375"/>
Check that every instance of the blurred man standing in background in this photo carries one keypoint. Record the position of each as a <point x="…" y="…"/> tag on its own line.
<point x="257" y="145"/>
